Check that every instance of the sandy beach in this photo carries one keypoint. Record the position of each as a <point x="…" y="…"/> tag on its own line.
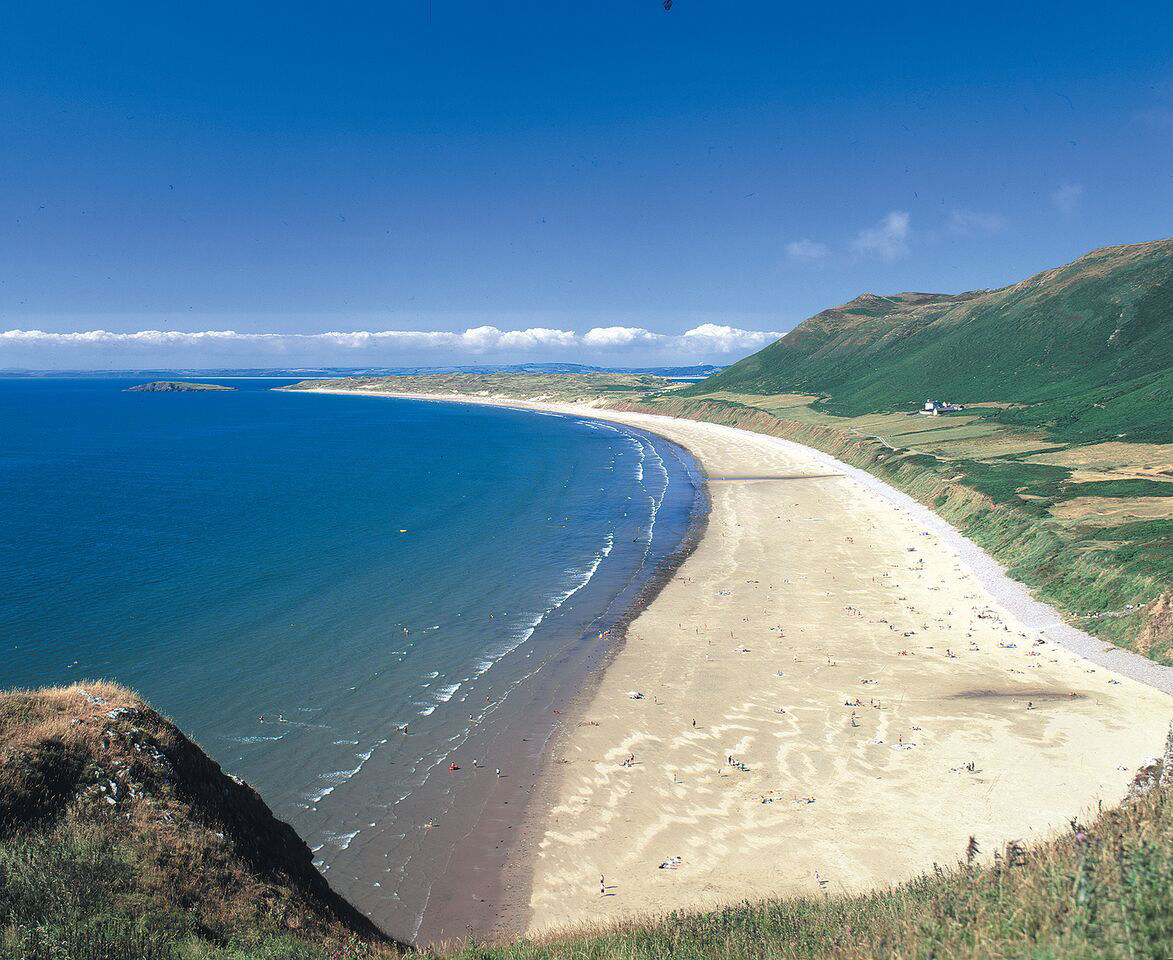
<point x="833" y="692"/>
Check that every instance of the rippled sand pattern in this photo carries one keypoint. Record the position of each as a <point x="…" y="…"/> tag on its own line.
<point x="804" y="596"/>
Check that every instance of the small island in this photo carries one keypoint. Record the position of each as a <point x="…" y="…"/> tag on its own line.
<point x="175" y="386"/>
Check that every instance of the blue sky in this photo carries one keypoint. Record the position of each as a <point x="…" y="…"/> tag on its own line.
<point x="606" y="182"/>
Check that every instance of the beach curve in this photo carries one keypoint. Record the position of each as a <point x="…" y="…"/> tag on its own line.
<point x="869" y="690"/>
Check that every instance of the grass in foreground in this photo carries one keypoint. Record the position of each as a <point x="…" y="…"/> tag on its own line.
<point x="79" y="887"/>
<point x="119" y="837"/>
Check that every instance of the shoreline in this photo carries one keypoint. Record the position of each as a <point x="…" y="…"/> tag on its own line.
<point x="578" y="798"/>
<point x="1033" y="612"/>
<point x="517" y="874"/>
<point x="493" y="856"/>
<point x="484" y="857"/>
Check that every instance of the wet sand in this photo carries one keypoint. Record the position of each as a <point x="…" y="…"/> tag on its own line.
<point x="871" y="676"/>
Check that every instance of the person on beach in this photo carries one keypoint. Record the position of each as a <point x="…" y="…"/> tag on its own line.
<point x="602" y="886"/>
<point x="498" y="773"/>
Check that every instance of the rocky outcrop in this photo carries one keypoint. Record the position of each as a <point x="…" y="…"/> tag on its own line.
<point x="177" y="386"/>
<point x="95" y="759"/>
<point x="1156" y="772"/>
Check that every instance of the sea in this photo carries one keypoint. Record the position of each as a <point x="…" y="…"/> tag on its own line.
<point x="338" y="597"/>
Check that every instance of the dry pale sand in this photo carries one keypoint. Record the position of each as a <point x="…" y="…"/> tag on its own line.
<point x="809" y="592"/>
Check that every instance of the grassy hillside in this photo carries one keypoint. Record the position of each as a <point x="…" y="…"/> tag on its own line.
<point x="1084" y="351"/>
<point x="119" y="837"/>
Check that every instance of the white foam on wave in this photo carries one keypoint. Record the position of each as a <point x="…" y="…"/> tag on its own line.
<point x="336" y="778"/>
<point x="340" y="840"/>
<point x="316" y="796"/>
<point x="650" y="455"/>
<point x="444" y="694"/>
<point x="581" y="577"/>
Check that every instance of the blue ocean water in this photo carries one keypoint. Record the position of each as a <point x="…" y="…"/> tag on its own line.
<point x="292" y="577"/>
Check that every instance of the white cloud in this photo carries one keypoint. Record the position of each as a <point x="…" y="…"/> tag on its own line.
<point x="616" y="336"/>
<point x="888" y="239"/>
<point x="971" y="223"/>
<point x="1067" y="198"/>
<point x="473" y="340"/>
<point x="807" y="251"/>
<point x="617" y="344"/>
<point x="714" y="338"/>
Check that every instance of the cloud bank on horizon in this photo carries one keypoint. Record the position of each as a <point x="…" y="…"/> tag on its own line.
<point x="614" y="345"/>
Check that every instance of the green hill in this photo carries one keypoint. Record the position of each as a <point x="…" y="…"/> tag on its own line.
<point x="1086" y="349"/>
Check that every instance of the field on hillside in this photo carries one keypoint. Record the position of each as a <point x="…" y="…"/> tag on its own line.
<point x="1082" y="352"/>
<point x="1089" y="528"/>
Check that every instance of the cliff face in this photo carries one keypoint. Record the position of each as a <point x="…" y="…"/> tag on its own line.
<point x="96" y="785"/>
